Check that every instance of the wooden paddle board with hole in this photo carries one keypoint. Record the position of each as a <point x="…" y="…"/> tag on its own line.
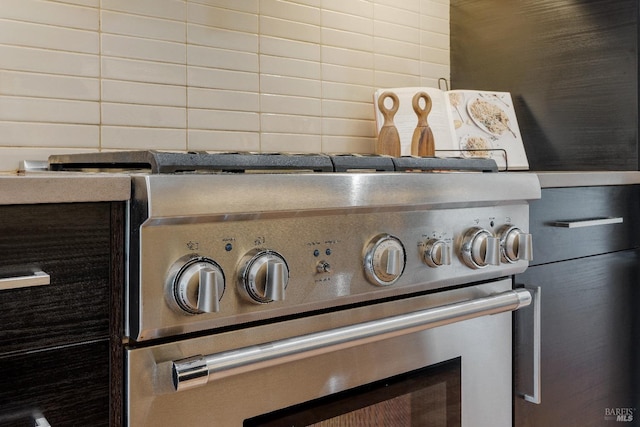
<point x="388" y="142"/>
<point x="423" y="142"/>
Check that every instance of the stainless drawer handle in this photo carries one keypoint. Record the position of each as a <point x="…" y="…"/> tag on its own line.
<point x="587" y="222"/>
<point x="38" y="278"/>
<point x="535" y="397"/>
<point x="40" y="421"/>
<point x="199" y="370"/>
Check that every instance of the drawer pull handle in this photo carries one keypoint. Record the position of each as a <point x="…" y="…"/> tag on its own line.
<point x="587" y="222"/>
<point x="38" y="278"/>
<point x="40" y="421"/>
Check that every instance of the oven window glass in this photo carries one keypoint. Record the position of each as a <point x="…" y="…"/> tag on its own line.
<point x="429" y="397"/>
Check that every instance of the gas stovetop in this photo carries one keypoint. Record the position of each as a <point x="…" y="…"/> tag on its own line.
<point x="203" y="162"/>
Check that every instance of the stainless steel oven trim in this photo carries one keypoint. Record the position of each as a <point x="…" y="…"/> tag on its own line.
<point x="484" y="343"/>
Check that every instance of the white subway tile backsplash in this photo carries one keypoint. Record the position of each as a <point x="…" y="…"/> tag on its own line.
<point x="348" y="92"/>
<point x="143" y="71"/>
<point x="214" y="75"/>
<point x="142" y="26"/>
<point x="49" y="86"/>
<point x="166" y="9"/>
<point x="281" y="66"/>
<point x="223" y="120"/>
<point x="279" y="85"/>
<point x="222" y="79"/>
<point x="275" y="27"/>
<point x="88" y="3"/>
<point x="119" y="91"/>
<point x="48" y="61"/>
<point x="143" y="115"/>
<point x="290" y="143"/>
<point x="285" y="123"/>
<point x="221" y="38"/>
<point x="223" y="99"/>
<point x="141" y="138"/>
<point x="341" y="74"/>
<point x="202" y="56"/>
<point x="346" y="22"/>
<point x="347" y="57"/>
<point x="24" y="109"/>
<point x="347" y="40"/>
<point x="29" y="134"/>
<point x="249" y="6"/>
<point x="290" y="11"/>
<point x="362" y="8"/>
<point x="16" y="33"/>
<point x="346" y="109"/>
<point x="146" y="49"/>
<point x="208" y="140"/>
<point x="289" y="48"/>
<point x="411" y="5"/>
<point x="222" y="18"/>
<point x="51" y="13"/>
<point x="396" y="15"/>
<point x="293" y="105"/>
<point x="347" y="144"/>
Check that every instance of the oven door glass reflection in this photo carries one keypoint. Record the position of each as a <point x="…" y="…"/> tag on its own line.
<point x="428" y="397"/>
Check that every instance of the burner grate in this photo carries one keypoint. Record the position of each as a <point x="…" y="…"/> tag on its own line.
<point x="158" y="162"/>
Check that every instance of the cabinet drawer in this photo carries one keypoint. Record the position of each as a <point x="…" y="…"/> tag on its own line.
<point x="71" y="243"/>
<point x="68" y="385"/>
<point x="581" y="221"/>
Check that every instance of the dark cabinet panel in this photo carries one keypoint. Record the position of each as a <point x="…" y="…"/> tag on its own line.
<point x="68" y="385"/>
<point x="571" y="67"/>
<point x="590" y="337"/>
<point x="573" y="206"/>
<point x="71" y="243"/>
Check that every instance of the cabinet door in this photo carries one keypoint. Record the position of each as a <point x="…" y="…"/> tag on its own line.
<point x="71" y="243"/>
<point x="589" y="342"/>
<point x="69" y="386"/>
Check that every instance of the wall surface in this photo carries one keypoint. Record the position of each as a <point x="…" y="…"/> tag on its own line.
<point x="231" y="75"/>
<point x="575" y="79"/>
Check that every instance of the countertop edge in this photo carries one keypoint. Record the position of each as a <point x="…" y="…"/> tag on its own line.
<point x="587" y="178"/>
<point x="68" y="188"/>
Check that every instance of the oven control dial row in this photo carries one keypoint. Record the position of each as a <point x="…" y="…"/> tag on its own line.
<point x="480" y="248"/>
<point x="263" y="276"/>
<point x="197" y="286"/>
<point x="384" y="260"/>
<point x="515" y="244"/>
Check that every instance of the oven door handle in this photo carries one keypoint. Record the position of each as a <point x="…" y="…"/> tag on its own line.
<point x="199" y="370"/>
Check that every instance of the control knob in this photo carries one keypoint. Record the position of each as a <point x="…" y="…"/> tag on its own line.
<point x="515" y="244"/>
<point x="263" y="277"/>
<point x="480" y="248"/>
<point x="436" y="253"/>
<point x="196" y="285"/>
<point x="384" y="260"/>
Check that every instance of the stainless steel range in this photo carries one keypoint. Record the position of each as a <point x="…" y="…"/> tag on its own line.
<point x="320" y="290"/>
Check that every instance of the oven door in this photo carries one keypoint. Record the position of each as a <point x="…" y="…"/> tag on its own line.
<point x="440" y="359"/>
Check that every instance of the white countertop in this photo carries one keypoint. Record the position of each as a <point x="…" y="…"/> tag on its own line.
<point x="63" y="188"/>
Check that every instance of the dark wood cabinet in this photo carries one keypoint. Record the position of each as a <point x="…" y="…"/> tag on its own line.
<point x="59" y="342"/>
<point x="590" y="325"/>
<point x="571" y="67"/>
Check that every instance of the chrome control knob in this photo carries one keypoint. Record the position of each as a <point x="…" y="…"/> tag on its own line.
<point x="263" y="277"/>
<point x="436" y="253"/>
<point x="384" y="260"/>
<point x="515" y="244"/>
<point x="196" y="285"/>
<point x="479" y="248"/>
